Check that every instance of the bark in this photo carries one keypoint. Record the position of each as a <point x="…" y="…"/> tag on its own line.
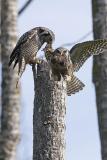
<point x="10" y="95"/>
<point x="0" y="30"/>
<point x="0" y="61"/>
<point x="49" y="116"/>
<point x="99" y="8"/>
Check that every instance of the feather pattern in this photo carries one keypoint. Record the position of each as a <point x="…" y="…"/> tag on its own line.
<point x="28" y="45"/>
<point x="74" y="85"/>
<point x="82" y="51"/>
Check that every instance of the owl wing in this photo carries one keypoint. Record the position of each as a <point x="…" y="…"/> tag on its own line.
<point x="82" y="51"/>
<point x="32" y="36"/>
<point x="24" y="39"/>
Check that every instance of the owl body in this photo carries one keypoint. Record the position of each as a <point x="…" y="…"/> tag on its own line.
<point x="62" y="68"/>
<point x="29" y="49"/>
<point x="61" y="64"/>
<point x="65" y="63"/>
<point x="28" y="45"/>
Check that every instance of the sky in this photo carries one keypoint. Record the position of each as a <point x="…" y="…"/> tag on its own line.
<point x="70" y="20"/>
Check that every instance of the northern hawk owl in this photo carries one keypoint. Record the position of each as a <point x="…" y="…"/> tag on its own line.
<point x="64" y="63"/>
<point x="27" y="47"/>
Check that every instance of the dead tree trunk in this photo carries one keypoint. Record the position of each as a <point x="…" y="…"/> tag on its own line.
<point x="49" y="116"/>
<point x="10" y="95"/>
<point x="0" y="31"/>
<point x="99" y="8"/>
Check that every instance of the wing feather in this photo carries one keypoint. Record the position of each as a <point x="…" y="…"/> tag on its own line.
<point x="73" y="86"/>
<point x="24" y="39"/>
<point x="82" y="51"/>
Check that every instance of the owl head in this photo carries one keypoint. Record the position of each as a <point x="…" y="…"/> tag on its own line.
<point x="46" y="35"/>
<point x="60" y="56"/>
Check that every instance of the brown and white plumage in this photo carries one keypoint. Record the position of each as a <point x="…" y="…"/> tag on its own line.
<point x="64" y="62"/>
<point x="28" y="45"/>
<point x="82" y="51"/>
<point x="61" y="66"/>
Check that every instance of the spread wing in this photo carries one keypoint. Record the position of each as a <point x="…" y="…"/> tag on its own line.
<point x="82" y="51"/>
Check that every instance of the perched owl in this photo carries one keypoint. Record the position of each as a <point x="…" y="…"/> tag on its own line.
<point x="27" y="47"/>
<point x="64" y="63"/>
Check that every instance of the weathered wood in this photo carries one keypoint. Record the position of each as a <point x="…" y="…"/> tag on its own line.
<point x="49" y="116"/>
<point x="99" y="8"/>
<point x="9" y="136"/>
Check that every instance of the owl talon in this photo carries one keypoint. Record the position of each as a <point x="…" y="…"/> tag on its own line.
<point x="38" y="61"/>
<point x="67" y="78"/>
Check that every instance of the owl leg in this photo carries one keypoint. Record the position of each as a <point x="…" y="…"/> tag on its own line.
<point x="38" y="61"/>
<point x="74" y="85"/>
<point x="35" y="61"/>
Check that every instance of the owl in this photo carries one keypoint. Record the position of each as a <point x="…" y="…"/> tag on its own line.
<point x="64" y="63"/>
<point x="27" y="47"/>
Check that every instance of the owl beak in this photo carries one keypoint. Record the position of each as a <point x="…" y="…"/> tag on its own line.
<point x="48" y="49"/>
<point x="61" y="53"/>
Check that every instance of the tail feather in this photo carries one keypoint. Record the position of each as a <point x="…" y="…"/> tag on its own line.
<point x="16" y="59"/>
<point x="14" y="56"/>
<point x="13" y="52"/>
<point x="73" y="86"/>
<point x="22" y="66"/>
<point x="15" y="63"/>
<point x="11" y="61"/>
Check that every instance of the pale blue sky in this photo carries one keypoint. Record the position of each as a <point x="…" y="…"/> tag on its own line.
<point x="70" y="20"/>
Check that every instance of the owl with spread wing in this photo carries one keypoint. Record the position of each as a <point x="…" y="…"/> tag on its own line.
<point x="27" y="47"/>
<point x="65" y="63"/>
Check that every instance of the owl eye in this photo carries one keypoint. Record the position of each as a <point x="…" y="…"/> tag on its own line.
<point x="65" y="51"/>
